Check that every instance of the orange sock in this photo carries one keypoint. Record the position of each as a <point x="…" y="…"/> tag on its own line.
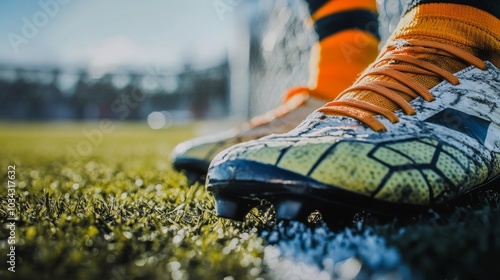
<point x="348" y="44"/>
<point x="438" y="24"/>
<point x="466" y="27"/>
<point x="463" y="26"/>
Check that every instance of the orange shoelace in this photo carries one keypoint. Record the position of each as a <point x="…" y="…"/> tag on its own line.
<point x="397" y="62"/>
<point x="293" y="99"/>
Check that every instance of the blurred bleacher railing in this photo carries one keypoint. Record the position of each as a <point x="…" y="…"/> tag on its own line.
<point x="52" y="93"/>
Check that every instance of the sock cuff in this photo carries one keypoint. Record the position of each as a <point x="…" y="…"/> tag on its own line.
<point x="359" y="19"/>
<point x="489" y="6"/>
<point x="461" y="24"/>
<point x="315" y="5"/>
<point x="325" y="8"/>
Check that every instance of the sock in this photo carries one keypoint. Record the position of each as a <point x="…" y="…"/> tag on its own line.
<point x="463" y="26"/>
<point x="348" y="43"/>
<point x="489" y="6"/>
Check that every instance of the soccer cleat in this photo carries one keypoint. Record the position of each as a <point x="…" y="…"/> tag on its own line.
<point x="395" y="142"/>
<point x="194" y="156"/>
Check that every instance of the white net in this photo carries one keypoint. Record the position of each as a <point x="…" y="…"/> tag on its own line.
<point x="280" y="42"/>
<point x="389" y="14"/>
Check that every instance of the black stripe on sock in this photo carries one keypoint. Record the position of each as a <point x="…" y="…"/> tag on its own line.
<point x="353" y="19"/>
<point x="314" y="5"/>
<point x="490" y="6"/>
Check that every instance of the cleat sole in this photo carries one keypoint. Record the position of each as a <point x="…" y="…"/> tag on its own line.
<point x="195" y="169"/>
<point x="292" y="209"/>
<point x="295" y="196"/>
<point x="234" y="208"/>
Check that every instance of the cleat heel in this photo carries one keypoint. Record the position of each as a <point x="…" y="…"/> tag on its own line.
<point x="233" y="208"/>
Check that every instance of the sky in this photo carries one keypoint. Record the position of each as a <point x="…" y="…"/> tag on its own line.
<point x="112" y="33"/>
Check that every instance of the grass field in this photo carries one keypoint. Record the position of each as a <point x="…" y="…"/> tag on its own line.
<point x="99" y="204"/>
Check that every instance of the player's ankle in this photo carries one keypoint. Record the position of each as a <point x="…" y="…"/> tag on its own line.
<point x="337" y="61"/>
<point x="463" y="26"/>
<point x="348" y="43"/>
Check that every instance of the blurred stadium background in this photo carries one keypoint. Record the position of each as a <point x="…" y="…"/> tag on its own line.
<point x="162" y="62"/>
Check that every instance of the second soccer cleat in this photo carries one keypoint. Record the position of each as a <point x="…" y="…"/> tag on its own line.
<point x="194" y="156"/>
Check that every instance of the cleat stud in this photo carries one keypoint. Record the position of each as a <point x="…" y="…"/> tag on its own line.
<point x="233" y="208"/>
<point x="292" y="209"/>
<point x="337" y="217"/>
